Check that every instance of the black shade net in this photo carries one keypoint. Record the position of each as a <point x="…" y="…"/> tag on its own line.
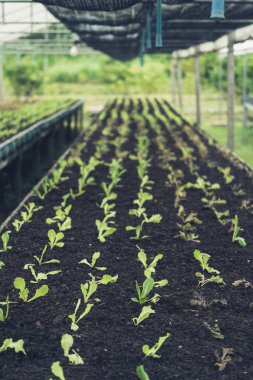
<point x="125" y="29"/>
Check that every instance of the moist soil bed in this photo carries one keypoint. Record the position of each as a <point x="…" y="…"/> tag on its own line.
<point x="107" y="340"/>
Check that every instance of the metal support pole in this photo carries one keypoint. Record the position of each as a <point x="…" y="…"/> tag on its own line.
<point x="244" y="96"/>
<point x="1" y="78"/>
<point x="173" y="81"/>
<point x="197" y="89"/>
<point x="231" y="90"/>
<point x="179" y="83"/>
<point x="220" y="97"/>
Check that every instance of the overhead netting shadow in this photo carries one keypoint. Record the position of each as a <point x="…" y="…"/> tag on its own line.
<point x="125" y="29"/>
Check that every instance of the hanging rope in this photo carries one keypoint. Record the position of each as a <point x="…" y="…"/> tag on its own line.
<point x="158" y="40"/>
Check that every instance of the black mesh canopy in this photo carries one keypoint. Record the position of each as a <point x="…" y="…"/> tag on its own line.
<point x="125" y="29"/>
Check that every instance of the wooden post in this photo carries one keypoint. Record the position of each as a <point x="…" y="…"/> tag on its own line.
<point x="173" y="81"/>
<point x="1" y="78"/>
<point x="197" y="89"/>
<point x="244" y="96"/>
<point x="230" y="95"/>
<point x="179" y="83"/>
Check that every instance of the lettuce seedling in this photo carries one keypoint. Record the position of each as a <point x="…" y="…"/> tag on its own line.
<point x="16" y="346"/>
<point x="204" y="280"/>
<point x="104" y="229"/>
<point x="88" y="289"/>
<point x="151" y="351"/>
<point x="107" y="279"/>
<point x="141" y="373"/>
<point x="57" y="371"/>
<point x="5" y="240"/>
<point x="73" y="317"/>
<point x="20" y="284"/>
<point x="55" y="239"/>
<point x="156" y="218"/>
<point x="62" y="219"/>
<point x="143" y="293"/>
<point x="40" y="259"/>
<point x="4" y="315"/>
<point x="203" y="259"/>
<point x="149" y="269"/>
<point x="40" y="276"/>
<point x="144" y="314"/>
<point x="26" y="216"/>
<point x="236" y="229"/>
<point x="95" y="257"/>
<point x="67" y="342"/>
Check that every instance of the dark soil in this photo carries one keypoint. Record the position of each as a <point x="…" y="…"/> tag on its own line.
<point x="108" y="341"/>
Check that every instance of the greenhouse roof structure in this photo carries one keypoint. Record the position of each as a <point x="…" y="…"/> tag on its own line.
<point x="125" y="29"/>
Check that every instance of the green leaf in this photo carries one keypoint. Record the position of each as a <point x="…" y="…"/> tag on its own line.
<point x="147" y="287"/>
<point x="142" y="258"/>
<point x="19" y="283"/>
<point x="161" y="283"/>
<point x="141" y="373"/>
<point x="67" y="342"/>
<point x="57" y="370"/>
<point x="144" y="314"/>
<point x="16" y="346"/>
<point x="107" y="279"/>
<point x="40" y="292"/>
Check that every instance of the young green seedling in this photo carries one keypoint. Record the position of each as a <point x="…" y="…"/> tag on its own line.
<point x="241" y="241"/>
<point x="88" y="289"/>
<point x="67" y="342"/>
<point x="152" y="351"/>
<point x="95" y="257"/>
<point x="39" y="276"/>
<point x="4" y="315"/>
<point x="143" y="293"/>
<point x="156" y="218"/>
<point x="73" y="317"/>
<point x="203" y="259"/>
<point x="40" y="258"/>
<point x="104" y="229"/>
<point x="20" y="284"/>
<point x="149" y="269"/>
<point x="141" y="373"/>
<point x="5" y="240"/>
<point x="62" y="219"/>
<point x="16" y="346"/>
<point x="55" y="239"/>
<point x="26" y="216"/>
<point x="57" y="371"/>
<point x="144" y="314"/>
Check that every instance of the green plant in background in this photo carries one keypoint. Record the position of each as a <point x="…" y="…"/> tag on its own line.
<point x="26" y="78"/>
<point x="4" y="315"/>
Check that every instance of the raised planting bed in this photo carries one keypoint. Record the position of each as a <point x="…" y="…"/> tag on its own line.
<point x="136" y="253"/>
<point x="17" y="120"/>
